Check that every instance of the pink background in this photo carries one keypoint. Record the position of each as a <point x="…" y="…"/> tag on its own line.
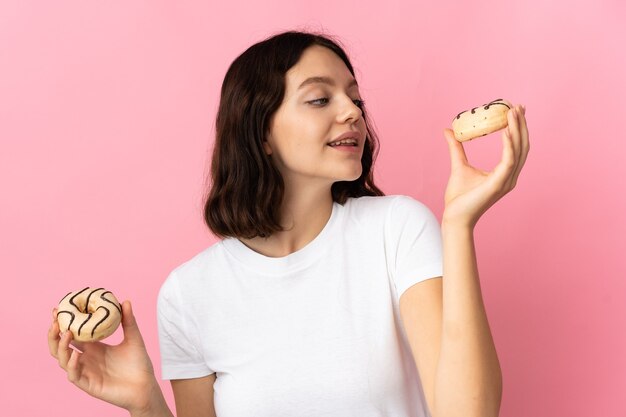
<point x="107" y="116"/>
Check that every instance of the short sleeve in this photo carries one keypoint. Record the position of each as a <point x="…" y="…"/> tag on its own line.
<point x="180" y="356"/>
<point x="413" y="243"/>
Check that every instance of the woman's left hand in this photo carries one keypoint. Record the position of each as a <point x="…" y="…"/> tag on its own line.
<point x="471" y="191"/>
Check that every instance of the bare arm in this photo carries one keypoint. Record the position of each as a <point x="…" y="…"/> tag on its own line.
<point x="194" y="397"/>
<point x="451" y="342"/>
<point x="445" y="319"/>
<point x="469" y="377"/>
<point x="421" y="311"/>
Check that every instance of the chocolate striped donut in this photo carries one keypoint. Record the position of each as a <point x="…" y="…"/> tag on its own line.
<point x="481" y="120"/>
<point x="90" y="314"/>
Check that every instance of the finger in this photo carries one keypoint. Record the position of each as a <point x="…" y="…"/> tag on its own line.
<point x="53" y="338"/>
<point x="514" y="134"/>
<point x="129" y="325"/>
<point x="73" y="368"/>
<point x="457" y="152"/>
<point x="79" y="345"/>
<point x="502" y="171"/>
<point x="514" y="130"/>
<point x="64" y="351"/>
<point x="523" y="147"/>
<point x="525" y="142"/>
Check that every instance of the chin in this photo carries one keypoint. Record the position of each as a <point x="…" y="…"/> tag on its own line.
<point x="353" y="176"/>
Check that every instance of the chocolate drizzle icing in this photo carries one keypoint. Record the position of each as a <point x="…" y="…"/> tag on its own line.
<point x="486" y="107"/>
<point x="119" y="308"/>
<point x="76" y="295"/>
<point x="107" y="312"/>
<point x="90" y="294"/>
<point x="72" y="315"/>
<point x="86" y="320"/>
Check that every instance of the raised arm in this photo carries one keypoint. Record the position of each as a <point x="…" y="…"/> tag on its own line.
<point x="445" y="319"/>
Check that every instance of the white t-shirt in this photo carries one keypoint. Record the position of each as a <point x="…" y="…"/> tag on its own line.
<point x="314" y="333"/>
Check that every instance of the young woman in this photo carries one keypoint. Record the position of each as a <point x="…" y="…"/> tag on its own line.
<point x="324" y="297"/>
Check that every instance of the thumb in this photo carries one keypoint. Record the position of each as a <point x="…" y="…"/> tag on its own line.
<point x="457" y="152"/>
<point x="129" y="325"/>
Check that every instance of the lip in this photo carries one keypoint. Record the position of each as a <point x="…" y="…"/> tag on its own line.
<point x="352" y="134"/>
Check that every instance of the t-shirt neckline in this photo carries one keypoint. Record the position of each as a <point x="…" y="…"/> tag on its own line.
<point x="292" y="262"/>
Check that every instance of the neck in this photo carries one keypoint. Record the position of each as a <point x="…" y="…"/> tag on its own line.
<point x="303" y="216"/>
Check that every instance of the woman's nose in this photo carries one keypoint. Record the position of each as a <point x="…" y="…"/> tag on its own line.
<point x="350" y="111"/>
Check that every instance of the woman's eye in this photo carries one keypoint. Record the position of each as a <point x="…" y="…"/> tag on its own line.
<point x="324" y="100"/>
<point x="318" y="100"/>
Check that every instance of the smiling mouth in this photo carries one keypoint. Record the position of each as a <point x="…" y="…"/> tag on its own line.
<point x="344" y="142"/>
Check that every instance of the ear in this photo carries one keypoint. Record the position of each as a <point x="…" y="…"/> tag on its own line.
<point x="267" y="147"/>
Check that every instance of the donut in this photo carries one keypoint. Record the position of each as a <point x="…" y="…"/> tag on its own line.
<point x="480" y="121"/>
<point x="91" y="314"/>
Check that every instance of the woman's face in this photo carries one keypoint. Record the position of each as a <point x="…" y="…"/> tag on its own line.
<point x="313" y="114"/>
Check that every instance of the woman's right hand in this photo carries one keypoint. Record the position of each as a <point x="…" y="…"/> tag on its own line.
<point x="121" y="375"/>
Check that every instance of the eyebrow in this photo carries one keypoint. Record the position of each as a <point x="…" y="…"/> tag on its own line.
<point x="324" y="80"/>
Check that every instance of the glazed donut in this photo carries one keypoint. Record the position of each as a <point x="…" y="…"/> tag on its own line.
<point x="480" y="121"/>
<point x="90" y="314"/>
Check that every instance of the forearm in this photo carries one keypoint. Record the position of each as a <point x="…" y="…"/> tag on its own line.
<point x="468" y="379"/>
<point x="156" y="407"/>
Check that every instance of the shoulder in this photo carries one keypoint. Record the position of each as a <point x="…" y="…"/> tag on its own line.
<point x="387" y="206"/>
<point x="191" y="273"/>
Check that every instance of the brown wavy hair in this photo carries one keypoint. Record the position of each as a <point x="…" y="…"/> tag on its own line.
<point x="246" y="190"/>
